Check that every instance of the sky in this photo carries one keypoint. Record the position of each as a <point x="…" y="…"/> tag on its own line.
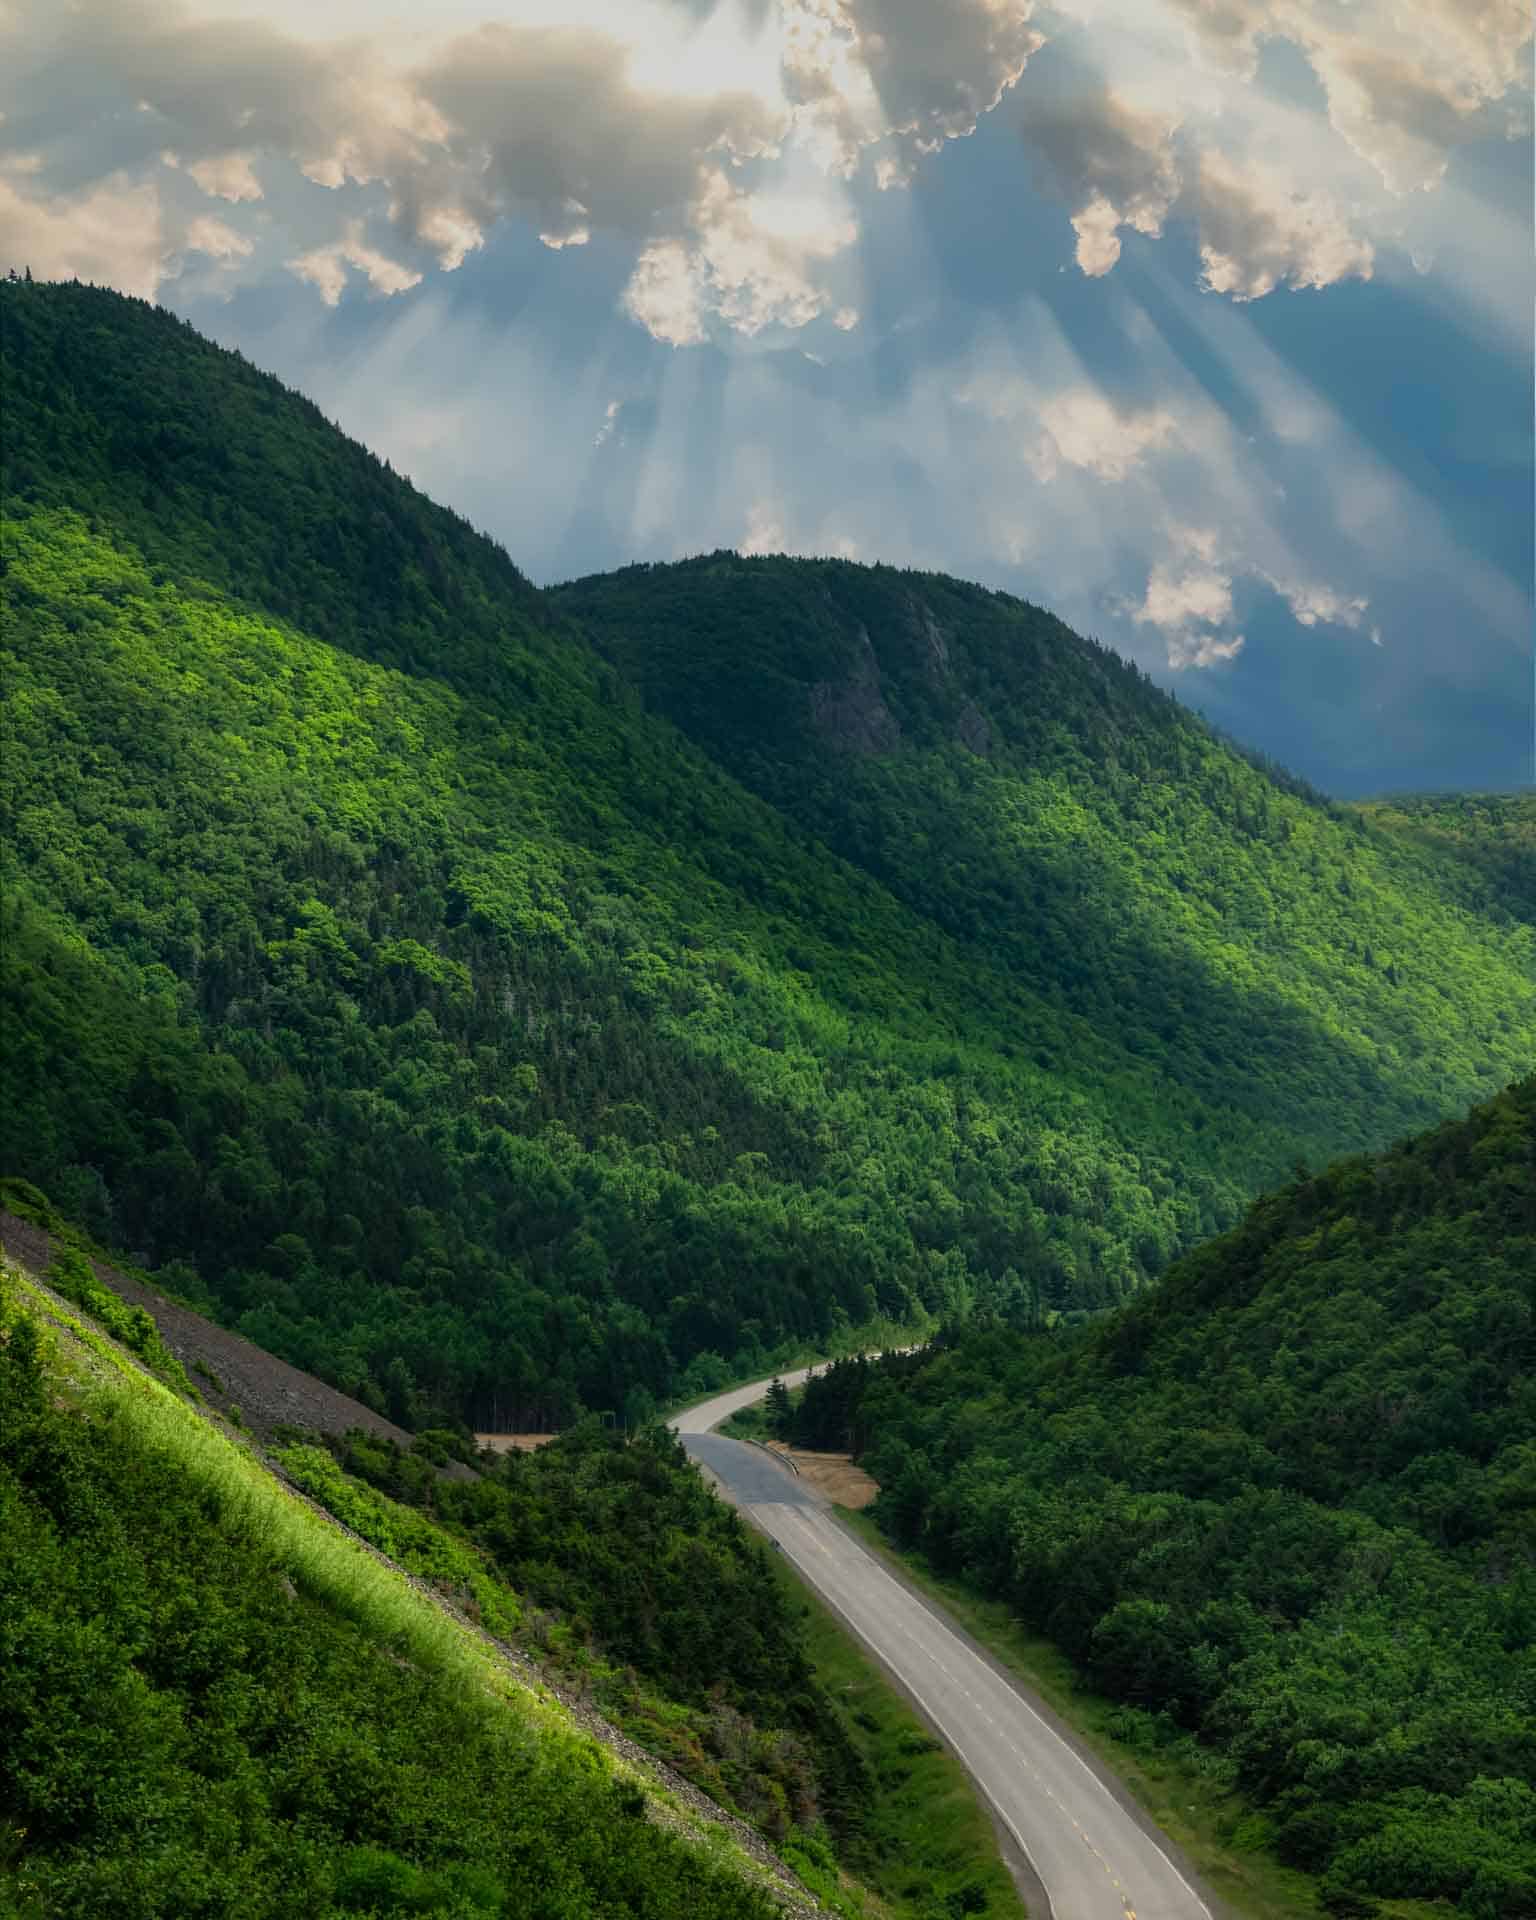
<point x="1206" y="324"/>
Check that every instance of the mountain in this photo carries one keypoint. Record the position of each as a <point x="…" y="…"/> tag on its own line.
<point x="1284" y="1504"/>
<point x="502" y="1003"/>
<point x="1239" y="955"/>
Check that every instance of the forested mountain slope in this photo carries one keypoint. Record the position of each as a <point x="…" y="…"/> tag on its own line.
<point x="382" y="973"/>
<point x="1040" y="800"/>
<point x="1287" y="1500"/>
<point x="1492" y="834"/>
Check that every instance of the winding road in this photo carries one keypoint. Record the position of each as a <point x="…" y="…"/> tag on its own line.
<point x="1093" y="1856"/>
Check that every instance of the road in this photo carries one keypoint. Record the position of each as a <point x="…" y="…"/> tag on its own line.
<point x="1095" y="1859"/>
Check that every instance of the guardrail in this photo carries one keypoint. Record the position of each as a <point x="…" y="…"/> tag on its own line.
<point x="784" y="1459"/>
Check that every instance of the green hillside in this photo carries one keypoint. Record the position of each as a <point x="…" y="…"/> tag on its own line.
<point x="602" y="1564"/>
<point x="1283" y="1506"/>
<point x="382" y="972"/>
<point x="1493" y="835"/>
<point x="1177" y="908"/>
<point x="217" y="1704"/>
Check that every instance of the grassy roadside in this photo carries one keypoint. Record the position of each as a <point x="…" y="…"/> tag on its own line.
<point x="929" y="1850"/>
<point x="1219" y="1831"/>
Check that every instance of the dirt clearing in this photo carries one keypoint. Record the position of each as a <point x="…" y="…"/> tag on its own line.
<point x="832" y="1474"/>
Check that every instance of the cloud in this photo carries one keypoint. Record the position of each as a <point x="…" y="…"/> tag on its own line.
<point x="1258" y="233"/>
<point x="1119" y="165"/>
<point x="666" y="296"/>
<point x="1134" y="133"/>
<point x="451" y="235"/>
<point x="767" y="533"/>
<point x="1084" y="428"/>
<point x="1311" y="603"/>
<point x="1202" y="649"/>
<point x="697" y="143"/>
<point x="1404" y="84"/>
<point x="1191" y="608"/>
<point x="1114" y="164"/>
<point x="325" y="268"/>
<point x="227" y="176"/>
<point x="765" y="530"/>
<point x="902" y="76"/>
<point x="635" y="123"/>
<point x="216" y="239"/>
<point x="553" y="123"/>
<point x="111" y="233"/>
<point x="1189" y="599"/>
<point x="750" y="263"/>
<point x="610" y="423"/>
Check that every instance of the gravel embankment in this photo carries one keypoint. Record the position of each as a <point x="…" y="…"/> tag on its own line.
<point x="228" y="1370"/>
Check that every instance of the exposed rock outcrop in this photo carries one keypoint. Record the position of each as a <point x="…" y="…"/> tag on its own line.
<point x="851" y="714"/>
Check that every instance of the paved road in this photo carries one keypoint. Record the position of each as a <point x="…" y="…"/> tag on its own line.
<point x="1092" y="1856"/>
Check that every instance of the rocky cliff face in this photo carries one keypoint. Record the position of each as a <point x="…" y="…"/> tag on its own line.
<point x="850" y="714"/>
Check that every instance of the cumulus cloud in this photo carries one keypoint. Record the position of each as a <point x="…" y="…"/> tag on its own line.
<point x="767" y="532"/>
<point x="1067" y="421"/>
<point x="614" y="124"/>
<point x="111" y="233"/>
<point x="217" y="239"/>
<point x="1119" y="166"/>
<point x="682" y="137"/>
<point x="325" y="268"/>
<point x="902" y="76"/>
<point x="1189" y="598"/>
<point x="451" y="234"/>
<point x="1405" y="84"/>
<point x="749" y="260"/>
<point x="1182" y="608"/>
<point x="665" y="294"/>
<point x="1084" y="428"/>
<point x="1113" y="162"/>
<point x="552" y="122"/>
<point x="1258" y="233"/>
<point x="1202" y="649"/>
<point x="1190" y="601"/>
<point x="227" y="176"/>
<point x="1314" y="604"/>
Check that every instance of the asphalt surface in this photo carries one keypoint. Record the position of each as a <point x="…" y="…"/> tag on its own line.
<point x="1094" y="1857"/>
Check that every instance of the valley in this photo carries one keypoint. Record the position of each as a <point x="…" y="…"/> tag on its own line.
<point x="1086" y="1852"/>
<point x="439" y="1008"/>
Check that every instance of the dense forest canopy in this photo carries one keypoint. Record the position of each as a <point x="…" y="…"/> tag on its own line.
<point x="1284" y="1503"/>
<point x="1494" y="834"/>
<point x="1040" y="800"/>
<point x="502" y="1024"/>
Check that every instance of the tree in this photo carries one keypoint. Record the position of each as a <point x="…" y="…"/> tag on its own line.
<point x="779" y="1413"/>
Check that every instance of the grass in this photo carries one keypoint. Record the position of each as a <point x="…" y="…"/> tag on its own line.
<point x="253" y="1507"/>
<point x="252" y="1504"/>
<point x="1219" y="1831"/>
<point x="929" y="1847"/>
